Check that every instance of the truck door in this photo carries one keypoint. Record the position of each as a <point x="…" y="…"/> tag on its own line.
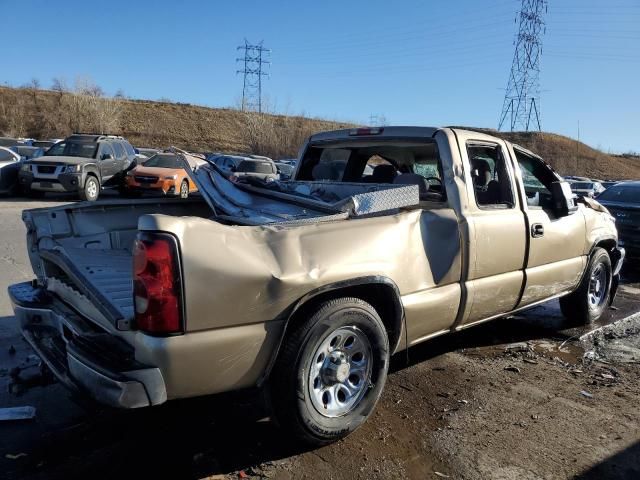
<point x="556" y="248"/>
<point x="495" y="230"/>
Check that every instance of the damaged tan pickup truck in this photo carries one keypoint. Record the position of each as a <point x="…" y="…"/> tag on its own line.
<point x="384" y="238"/>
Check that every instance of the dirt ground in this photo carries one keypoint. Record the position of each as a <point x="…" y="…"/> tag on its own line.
<point x="511" y="399"/>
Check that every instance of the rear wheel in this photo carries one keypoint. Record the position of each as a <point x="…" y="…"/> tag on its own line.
<point x="330" y="371"/>
<point x="184" y="189"/>
<point x="91" y="189"/>
<point x="590" y="301"/>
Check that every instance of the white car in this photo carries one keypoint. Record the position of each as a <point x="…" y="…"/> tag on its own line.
<point x="10" y="163"/>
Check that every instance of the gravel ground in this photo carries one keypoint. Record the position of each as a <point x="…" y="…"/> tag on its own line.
<point x="508" y="399"/>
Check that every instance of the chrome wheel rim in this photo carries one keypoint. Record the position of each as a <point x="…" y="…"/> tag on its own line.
<point x="598" y="283"/>
<point x="340" y="371"/>
<point x="92" y="189"/>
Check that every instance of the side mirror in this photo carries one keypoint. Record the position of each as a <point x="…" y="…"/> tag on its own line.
<point x="106" y="156"/>
<point x="233" y="168"/>
<point x="564" y="202"/>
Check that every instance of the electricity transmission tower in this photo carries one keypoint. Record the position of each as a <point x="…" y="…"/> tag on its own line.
<point x="252" y="63"/>
<point x="521" y="106"/>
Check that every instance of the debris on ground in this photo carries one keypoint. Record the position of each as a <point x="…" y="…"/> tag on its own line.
<point x="15" y="456"/>
<point x="584" y="393"/>
<point x="512" y="368"/>
<point x="17" y="413"/>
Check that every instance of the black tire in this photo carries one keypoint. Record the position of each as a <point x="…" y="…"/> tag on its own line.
<point x="590" y="301"/>
<point x="292" y="390"/>
<point x="184" y="189"/>
<point x="91" y="190"/>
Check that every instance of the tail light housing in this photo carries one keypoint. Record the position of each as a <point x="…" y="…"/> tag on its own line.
<point x="157" y="284"/>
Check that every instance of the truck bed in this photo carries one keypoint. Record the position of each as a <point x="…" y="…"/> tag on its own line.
<point x="109" y="272"/>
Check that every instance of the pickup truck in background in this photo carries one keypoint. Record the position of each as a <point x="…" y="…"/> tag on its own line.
<point x="386" y="237"/>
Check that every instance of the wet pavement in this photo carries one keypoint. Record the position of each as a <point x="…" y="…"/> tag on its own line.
<point x="501" y="400"/>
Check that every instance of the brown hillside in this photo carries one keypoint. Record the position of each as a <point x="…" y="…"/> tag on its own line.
<point x="36" y="113"/>
<point x="570" y="157"/>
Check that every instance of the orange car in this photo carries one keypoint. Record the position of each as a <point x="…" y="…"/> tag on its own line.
<point x="163" y="172"/>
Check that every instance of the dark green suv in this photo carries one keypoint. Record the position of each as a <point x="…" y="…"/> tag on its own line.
<point x="82" y="163"/>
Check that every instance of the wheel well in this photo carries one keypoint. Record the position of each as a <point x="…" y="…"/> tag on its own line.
<point x="93" y="174"/>
<point x="608" y="244"/>
<point x="383" y="297"/>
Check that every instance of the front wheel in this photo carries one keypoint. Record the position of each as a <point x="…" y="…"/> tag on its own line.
<point x="590" y="301"/>
<point x="91" y="189"/>
<point x="330" y="371"/>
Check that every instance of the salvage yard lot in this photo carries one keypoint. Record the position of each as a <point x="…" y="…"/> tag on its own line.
<point x="509" y="399"/>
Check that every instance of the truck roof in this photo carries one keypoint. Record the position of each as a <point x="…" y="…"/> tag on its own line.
<point x="375" y="132"/>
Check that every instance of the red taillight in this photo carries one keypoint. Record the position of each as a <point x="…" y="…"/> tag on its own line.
<point x="366" y="131"/>
<point x="156" y="284"/>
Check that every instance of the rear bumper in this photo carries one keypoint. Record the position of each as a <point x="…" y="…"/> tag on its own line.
<point x="82" y="357"/>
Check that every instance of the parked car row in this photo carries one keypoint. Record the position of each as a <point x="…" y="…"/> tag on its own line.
<point x="85" y="164"/>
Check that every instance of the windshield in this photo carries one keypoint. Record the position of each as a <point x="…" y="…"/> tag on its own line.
<point x="163" y="161"/>
<point x="5" y="155"/>
<point x="147" y="153"/>
<point x="622" y="193"/>
<point x="73" y="149"/>
<point x="582" y="186"/>
<point x="252" y="166"/>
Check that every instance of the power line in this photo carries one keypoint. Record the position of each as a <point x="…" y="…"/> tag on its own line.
<point x="252" y="62"/>
<point x="522" y="98"/>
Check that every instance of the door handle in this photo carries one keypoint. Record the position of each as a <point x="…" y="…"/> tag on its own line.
<point x="537" y="230"/>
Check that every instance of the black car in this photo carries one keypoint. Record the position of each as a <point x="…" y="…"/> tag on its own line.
<point x="623" y="201"/>
<point x="81" y="163"/>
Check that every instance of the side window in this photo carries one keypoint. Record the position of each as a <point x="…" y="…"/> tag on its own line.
<point x="120" y="153"/>
<point x="537" y="178"/>
<point x="490" y="177"/>
<point x="105" y="149"/>
<point x="129" y="148"/>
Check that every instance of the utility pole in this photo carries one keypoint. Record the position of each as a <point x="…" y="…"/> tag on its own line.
<point x="578" y="150"/>
<point x="521" y="106"/>
<point x="252" y="69"/>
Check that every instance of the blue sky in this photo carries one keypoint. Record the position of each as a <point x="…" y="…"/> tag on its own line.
<point x="415" y="62"/>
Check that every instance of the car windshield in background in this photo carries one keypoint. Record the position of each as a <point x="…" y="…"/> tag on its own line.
<point x="582" y="186"/>
<point x="622" y="194"/>
<point x="73" y="149"/>
<point x="5" y="155"/>
<point x="252" y="166"/>
<point x="25" y="151"/>
<point x="163" y="161"/>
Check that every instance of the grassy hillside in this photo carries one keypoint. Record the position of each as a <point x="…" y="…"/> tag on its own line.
<point x="37" y="113"/>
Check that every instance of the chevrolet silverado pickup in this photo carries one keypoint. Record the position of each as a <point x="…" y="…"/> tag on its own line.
<point x="384" y="238"/>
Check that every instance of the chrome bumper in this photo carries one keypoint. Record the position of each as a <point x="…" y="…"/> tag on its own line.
<point x="80" y="355"/>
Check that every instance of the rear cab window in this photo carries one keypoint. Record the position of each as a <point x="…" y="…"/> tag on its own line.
<point x="400" y="162"/>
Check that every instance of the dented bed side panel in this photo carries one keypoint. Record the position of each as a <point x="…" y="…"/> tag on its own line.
<point x="254" y="274"/>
